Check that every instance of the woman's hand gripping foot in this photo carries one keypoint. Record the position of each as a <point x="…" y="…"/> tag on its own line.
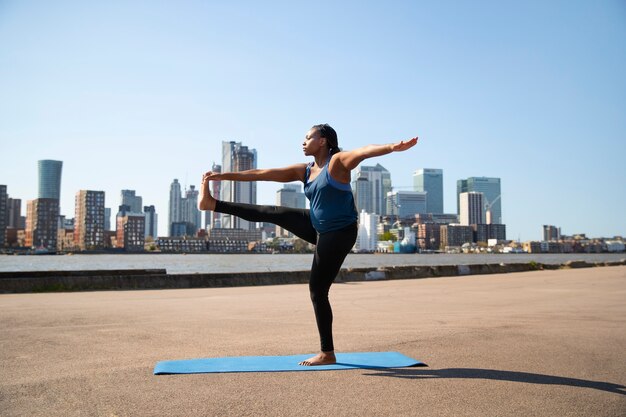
<point x="206" y="200"/>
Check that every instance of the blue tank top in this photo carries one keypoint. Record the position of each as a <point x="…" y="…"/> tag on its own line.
<point x="332" y="202"/>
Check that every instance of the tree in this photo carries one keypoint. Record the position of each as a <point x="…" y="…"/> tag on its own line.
<point x="387" y="236"/>
<point x="301" y="246"/>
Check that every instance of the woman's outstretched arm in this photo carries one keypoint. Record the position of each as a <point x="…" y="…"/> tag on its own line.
<point x="346" y="161"/>
<point x="287" y="174"/>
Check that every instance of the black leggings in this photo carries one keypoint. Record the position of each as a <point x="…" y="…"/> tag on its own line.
<point x="331" y="248"/>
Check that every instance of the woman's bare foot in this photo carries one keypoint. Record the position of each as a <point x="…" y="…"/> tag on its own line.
<point x="206" y="200"/>
<point x="322" y="358"/>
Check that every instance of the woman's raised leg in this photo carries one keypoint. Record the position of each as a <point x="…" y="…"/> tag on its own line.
<point x="297" y="221"/>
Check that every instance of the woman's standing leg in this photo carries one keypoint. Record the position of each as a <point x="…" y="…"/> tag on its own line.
<point x="330" y="252"/>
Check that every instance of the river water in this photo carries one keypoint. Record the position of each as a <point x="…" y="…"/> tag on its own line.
<point x="212" y="263"/>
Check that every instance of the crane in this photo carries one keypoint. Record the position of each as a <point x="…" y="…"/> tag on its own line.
<point x="488" y="206"/>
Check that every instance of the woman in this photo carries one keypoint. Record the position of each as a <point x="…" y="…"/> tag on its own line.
<point x="330" y="224"/>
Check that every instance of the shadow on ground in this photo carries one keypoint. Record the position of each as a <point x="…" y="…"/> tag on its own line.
<point x="495" y="375"/>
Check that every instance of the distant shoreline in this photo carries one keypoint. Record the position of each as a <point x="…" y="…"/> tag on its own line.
<point x="150" y="279"/>
<point x="122" y="253"/>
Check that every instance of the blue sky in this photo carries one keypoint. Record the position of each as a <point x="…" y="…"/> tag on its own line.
<point x="132" y="94"/>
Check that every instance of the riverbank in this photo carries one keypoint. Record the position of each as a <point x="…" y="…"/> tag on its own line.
<point x="236" y="263"/>
<point x="141" y="279"/>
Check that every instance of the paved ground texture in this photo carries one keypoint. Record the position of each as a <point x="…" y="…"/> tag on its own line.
<point x="547" y="343"/>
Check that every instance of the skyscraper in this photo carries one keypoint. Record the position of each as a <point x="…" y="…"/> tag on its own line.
<point x="42" y="214"/>
<point x="370" y="186"/>
<point x="237" y="157"/>
<point x="4" y="213"/>
<point x="151" y="221"/>
<point x="362" y="191"/>
<point x="128" y="198"/>
<point x="189" y="209"/>
<point x="290" y="195"/>
<point x="50" y="179"/>
<point x="89" y="220"/>
<point x="492" y="202"/>
<point x="471" y="208"/>
<point x="430" y="181"/>
<point x="367" y="239"/>
<point x="174" y="214"/>
<point x="107" y="219"/>
<point x="406" y="204"/>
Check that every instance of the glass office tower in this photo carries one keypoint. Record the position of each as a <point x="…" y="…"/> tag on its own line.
<point x="50" y="179"/>
<point x="430" y="181"/>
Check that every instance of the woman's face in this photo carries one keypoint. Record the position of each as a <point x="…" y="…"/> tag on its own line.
<point x="313" y="142"/>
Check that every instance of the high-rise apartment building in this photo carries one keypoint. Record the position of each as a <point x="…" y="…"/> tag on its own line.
<point x="406" y="204"/>
<point x="41" y="230"/>
<point x="50" y="179"/>
<point x="371" y="185"/>
<point x="430" y="181"/>
<point x="189" y="209"/>
<point x="15" y="219"/>
<point x="174" y="214"/>
<point x="429" y="236"/>
<point x="131" y="229"/>
<point x="237" y="157"/>
<point x="455" y="235"/>
<point x="551" y="233"/>
<point x="4" y="214"/>
<point x="45" y="210"/>
<point x="362" y="191"/>
<point x="128" y="198"/>
<point x="151" y="221"/>
<point x="492" y="201"/>
<point x="183" y="211"/>
<point x="65" y="234"/>
<point x="471" y="207"/>
<point x="290" y="195"/>
<point x="42" y="221"/>
<point x="497" y="231"/>
<point x="367" y="238"/>
<point x="89" y="220"/>
<point x="107" y="219"/>
<point x="481" y="232"/>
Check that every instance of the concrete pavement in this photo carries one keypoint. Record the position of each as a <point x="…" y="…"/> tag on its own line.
<point x="545" y="343"/>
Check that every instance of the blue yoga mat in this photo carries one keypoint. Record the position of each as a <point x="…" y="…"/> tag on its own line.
<point x="362" y="360"/>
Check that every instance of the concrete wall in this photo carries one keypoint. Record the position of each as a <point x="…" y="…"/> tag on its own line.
<point x="50" y="281"/>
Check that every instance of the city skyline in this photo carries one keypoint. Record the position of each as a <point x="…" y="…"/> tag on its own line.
<point x="416" y="199"/>
<point x="129" y="96"/>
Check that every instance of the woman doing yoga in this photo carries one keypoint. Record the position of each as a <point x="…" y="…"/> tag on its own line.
<point x="331" y="222"/>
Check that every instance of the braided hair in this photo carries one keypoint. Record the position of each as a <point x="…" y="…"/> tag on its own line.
<point x="331" y="137"/>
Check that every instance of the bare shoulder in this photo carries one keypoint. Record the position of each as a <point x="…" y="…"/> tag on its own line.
<point x="339" y="166"/>
<point x="296" y="171"/>
<point x="298" y="167"/>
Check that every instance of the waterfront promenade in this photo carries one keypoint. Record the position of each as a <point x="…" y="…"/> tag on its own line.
<point x="544" y="343"/>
